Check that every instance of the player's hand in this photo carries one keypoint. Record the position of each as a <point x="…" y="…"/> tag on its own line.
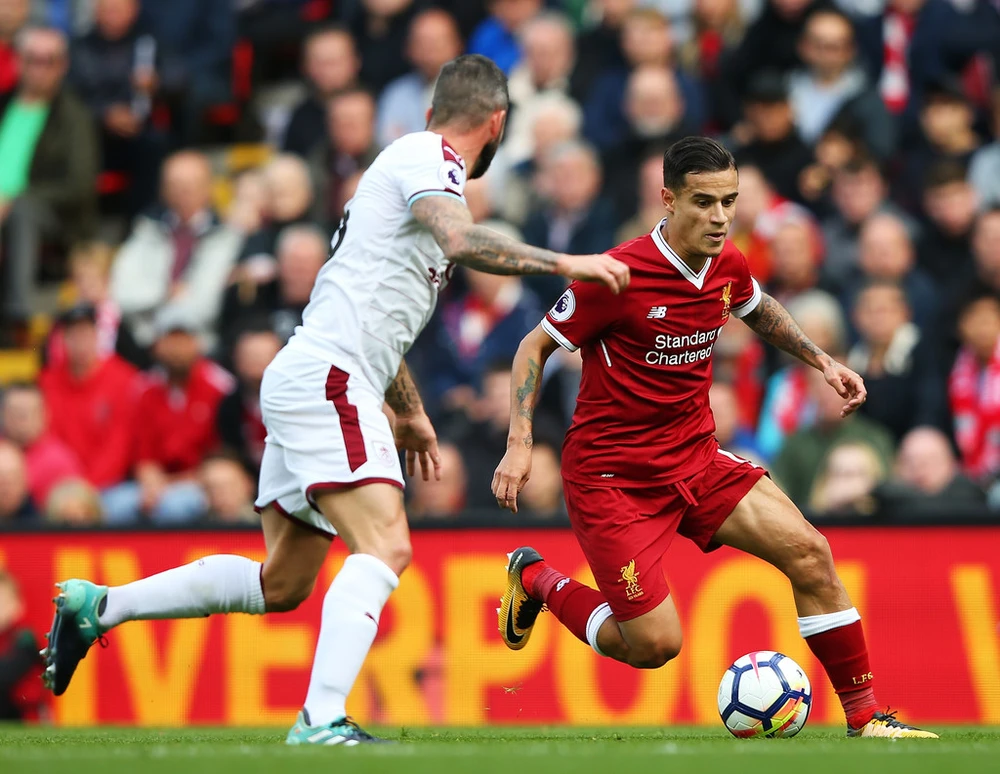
<point x="415" y="434"/>
<point x="847" y="384"/>
<point x="511" y="475"/>
<point x="596" y="268"/>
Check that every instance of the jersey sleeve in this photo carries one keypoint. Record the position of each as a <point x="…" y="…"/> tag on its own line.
<point x="428" y="166"/>
<point x="746" y="290"/>
<point x="581" y="315"/>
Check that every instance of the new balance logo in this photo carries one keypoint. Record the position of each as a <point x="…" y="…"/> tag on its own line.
<point x="561" y="584"/>
<point x="657" y="313"/>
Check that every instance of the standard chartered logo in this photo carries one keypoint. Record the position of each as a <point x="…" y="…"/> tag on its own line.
<point x="665" y="348"/>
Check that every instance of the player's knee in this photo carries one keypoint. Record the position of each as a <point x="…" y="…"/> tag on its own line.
<point x="397" y="556"/>
<point x="282" y="595"/>
<point x="654" y="652"/>
<point x="811" y="567"/>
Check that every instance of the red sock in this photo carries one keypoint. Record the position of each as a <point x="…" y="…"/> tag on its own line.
<point x="568" y="600"/>
<point x="844" y="656"/>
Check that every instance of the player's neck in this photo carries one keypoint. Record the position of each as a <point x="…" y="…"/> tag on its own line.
<point x="694" y="262"/>
<point x="463" y="143"/>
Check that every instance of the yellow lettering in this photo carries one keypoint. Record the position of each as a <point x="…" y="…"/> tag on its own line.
<point x="978" y="614"/>
<point x="161" y="681"/>
<point x="78" y="707"/>
<point x="726" y="587"/>
<point x="475" y="660"/>
<point x="576" y="677"/>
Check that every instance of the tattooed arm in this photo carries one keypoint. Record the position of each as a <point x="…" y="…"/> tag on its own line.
<point x="772" y="322"/>
<point x="413" y="429"/>
<point x="525" y="383"/>
<point x="484" y="249"/>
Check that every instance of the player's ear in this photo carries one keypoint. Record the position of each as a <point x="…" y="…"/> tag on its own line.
<point x="668" y="199"/>
<point x="430" y="113"/>
<point x="497" y="123"/>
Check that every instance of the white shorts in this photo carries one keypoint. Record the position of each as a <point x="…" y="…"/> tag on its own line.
<point x="325" y="431"/>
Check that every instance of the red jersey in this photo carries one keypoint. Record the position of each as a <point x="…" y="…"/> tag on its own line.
<point x="642" y="416"/>
<point x="178" y="425"/>
<point x="95" y="416"/>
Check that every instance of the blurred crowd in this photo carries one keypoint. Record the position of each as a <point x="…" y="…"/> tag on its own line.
<point x="171" y="174"/>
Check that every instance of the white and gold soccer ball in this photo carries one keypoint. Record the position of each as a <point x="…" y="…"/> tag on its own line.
<point x="764" y="694"/>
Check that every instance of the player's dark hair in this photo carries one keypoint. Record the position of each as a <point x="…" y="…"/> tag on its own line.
<point x="694" y="155"/>
<point x="469" y="90"/>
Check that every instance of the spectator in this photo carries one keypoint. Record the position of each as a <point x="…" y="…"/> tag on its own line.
<point x="947" y="133"/>
<point x="348" y="150"/>
<point x="732" y="434"/>
<point x="984" y="168"/>
<point x="178" y="256"/>
<point x="21" y="689"/>
<point x="229" y="490"/>
<point x="275" y="29"/>
<point x="599" y="48"/>
<point x="549" y="53"/>
<point x="575" y="219"/>
<point x="16" y="505"/>
<point x="974" y="388"/>
<point x="444" y="499"/>
<point x="288" y="192"/>
<point x="886" y="253"/>
<point x="650" y="196"/>
<point x="832" y="84"/>
<point x="379" y="28"/>
<point x="330" y="65"/>
<point x="801" y="457"/>
<point x="482" y="326"/>
<point x="433" y="40"/>
<point x="926" y="479"/>
<point x="557" y="119"/>
<point x="116" y="70"/>
<point x="655" y="110"/>
<point x="497" y="36"/>
<point x="768" y="139"/>
<point x="897" y="363"/>
<point x="91" y="400"/>
<point x="945" y="247"/>
<point x="859" y="191"/>
<point x="302" y="250"/>
<point x="718" y="29"/>
<point x="50" y="160"/>
<point x="770" y="43"/>
<point x="74" y="503"/>
<point x="646" y="40"/>
<point x="178" y="430"/>
<point x="90" y="283"/>
<point x="788" y="404"/>
<point x="796" y="252"/>
<point x="846" y="480"/>
<point x="238" y="421"/>
<point x="13" y="17"/>
<point x="49" y="460"/>
<point x="201" y="35"/>
<point x="247" y="209"/>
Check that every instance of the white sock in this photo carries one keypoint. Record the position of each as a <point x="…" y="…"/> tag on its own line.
<point x="215" y="584"/>
<point x="817" y="624"/>
<point x="351" y="611"/>
<point x="601" y="614"/>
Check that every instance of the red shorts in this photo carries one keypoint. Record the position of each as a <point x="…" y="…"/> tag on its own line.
<point x="624" y="533"/>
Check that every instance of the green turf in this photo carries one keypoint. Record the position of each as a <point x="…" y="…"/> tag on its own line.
<point x="489" y="750"/>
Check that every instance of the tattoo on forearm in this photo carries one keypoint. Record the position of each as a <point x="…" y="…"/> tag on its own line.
<point x="529" y="441"/>
<point x="771" y="321"/>
<point x="402" y="395"/>
<point x="525" y="394"/>
<point x="476" y="246"/>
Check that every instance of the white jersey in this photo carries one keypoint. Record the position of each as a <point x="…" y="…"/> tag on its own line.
<point x="381" y="284"/>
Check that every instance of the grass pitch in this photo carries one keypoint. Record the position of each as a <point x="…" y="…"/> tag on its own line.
<point x="492" y="750"/>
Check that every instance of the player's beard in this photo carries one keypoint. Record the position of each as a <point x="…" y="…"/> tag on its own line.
<point x="485" y="158"/>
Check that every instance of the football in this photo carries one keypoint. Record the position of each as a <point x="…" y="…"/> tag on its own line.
<point x="764" y="694"/>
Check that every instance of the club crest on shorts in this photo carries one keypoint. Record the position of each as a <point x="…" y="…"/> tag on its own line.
<point x="564" y="307"/>
<point x="383" y="454"/>
<point x="630" y="577"/>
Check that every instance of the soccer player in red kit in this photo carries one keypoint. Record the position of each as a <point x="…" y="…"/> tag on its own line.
<point x="641" y="462"/>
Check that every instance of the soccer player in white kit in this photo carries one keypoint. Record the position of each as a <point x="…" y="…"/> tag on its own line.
<point x="330" y="465"/>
